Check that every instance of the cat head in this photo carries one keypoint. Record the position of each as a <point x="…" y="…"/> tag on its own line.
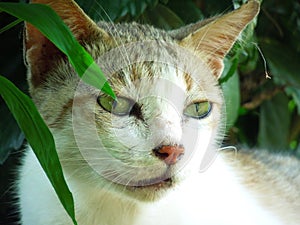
<point x="168" y="112"/>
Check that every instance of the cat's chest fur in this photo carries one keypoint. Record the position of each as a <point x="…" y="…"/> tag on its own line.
<point x="214" y="197"/>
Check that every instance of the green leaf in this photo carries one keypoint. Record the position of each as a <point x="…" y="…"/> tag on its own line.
<point x="274" y="123"/>
<point x="52" y="26"/>
<point x="186" y="10"/>
<point x="295" y="93"/>
<point x="40" y="139"/>
<point x="11" y="137"/>
<point x="103" y="9"/>
<point x="113" y="10"/>
<point x="9" y="26"/>
<point x="11" y="62"/>
<point x="230" y="68"/>
<point x="137" y="7"/>
<point x="162" y="17"/>
<point x="216" y="7"/>
<point x="231" y="91"/>
<point x="283" y="65"/>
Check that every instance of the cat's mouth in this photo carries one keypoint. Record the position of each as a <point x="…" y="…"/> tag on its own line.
<point x="158" y="184"/>
<point x="168" y="182"/>
<point x="142" y="178"/>
<point x="152" y="191"/>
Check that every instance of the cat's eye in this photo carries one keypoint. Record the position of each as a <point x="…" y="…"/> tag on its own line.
<point x="198" y="110"/>
<point x="120" y="107"/>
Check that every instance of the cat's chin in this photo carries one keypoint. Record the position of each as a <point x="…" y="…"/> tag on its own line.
<point x="167" y="183"/>
<point x="151" y="192"/>
<point x="146" y="189"/>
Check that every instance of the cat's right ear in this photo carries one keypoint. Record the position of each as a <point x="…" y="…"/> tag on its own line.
<point x="212" y="39"/>
<point x="41" y="55"/>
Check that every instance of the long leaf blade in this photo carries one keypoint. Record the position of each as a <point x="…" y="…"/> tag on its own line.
<point x="52" y="26"/>
<point x="9" y="26"/>
<point x="40" y="139"/>
<point x="274" y="123"/>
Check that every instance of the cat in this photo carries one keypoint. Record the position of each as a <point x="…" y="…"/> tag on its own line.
<point x="137" y="160"/>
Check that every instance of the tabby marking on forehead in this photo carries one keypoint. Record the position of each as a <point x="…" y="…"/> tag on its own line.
<point x="188" y="81"/>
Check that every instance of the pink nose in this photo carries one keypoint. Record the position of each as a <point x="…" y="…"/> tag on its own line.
<point x="169" y="153"/>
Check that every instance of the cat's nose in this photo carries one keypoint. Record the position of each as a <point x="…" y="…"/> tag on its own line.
<point x="170" y="154"/>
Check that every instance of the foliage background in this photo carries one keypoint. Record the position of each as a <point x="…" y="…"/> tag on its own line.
<point x="261" y="112"/>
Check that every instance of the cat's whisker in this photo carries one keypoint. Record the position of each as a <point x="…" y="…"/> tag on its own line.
<point x="119" y="178"/>
<point x="112" y="175"/>
<point x="228" y="148"/>
<point x="123" y="51"/>
<point x="129" y="182"/>
<point x="73" y="174"/>
<point x="197" y="47"/>
<point x="84" y="160"/>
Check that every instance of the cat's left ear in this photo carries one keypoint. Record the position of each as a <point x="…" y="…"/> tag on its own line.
<point x="212" y="39"/>
<point x="41" y="55"/>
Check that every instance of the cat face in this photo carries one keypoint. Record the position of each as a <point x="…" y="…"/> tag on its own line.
<point x="162" y="100"/>
<point x="166" y="119"/>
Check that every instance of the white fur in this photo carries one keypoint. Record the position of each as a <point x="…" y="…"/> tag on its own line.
<point x="214" y="197"/>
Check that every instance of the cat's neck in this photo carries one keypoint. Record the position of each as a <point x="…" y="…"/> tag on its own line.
<point x="198" y="198"/>
<point x="112" y="207"/>
<point x="211" y="197"/>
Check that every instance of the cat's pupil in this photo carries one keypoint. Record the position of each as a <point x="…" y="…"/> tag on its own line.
<point x="136" y="111"/>
<point x="121" y="107"/>
<point x="198" y="110"/>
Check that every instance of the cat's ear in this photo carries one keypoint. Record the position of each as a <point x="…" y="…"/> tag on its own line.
<point x="212" y="39"/>
<point x="41" y="54"/>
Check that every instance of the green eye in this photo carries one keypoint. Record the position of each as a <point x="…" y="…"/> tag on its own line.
<point x="198" y="110"/>
<point x="120" y="107"/>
